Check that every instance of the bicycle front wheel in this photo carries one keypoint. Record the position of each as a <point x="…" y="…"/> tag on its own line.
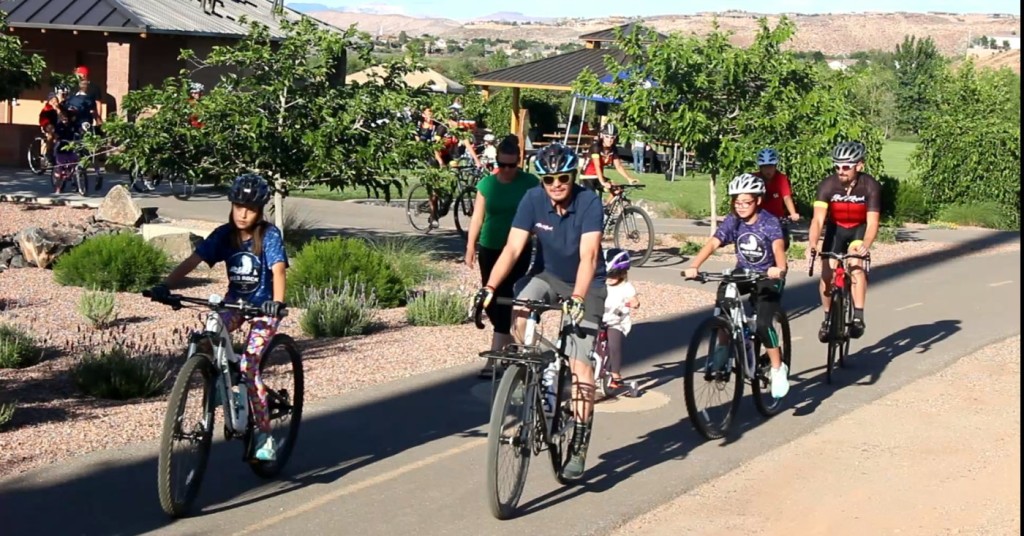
<point x="712" y="382"/>
<point x="82" y="181"/>
<point x="182" y="187"/>
<point x="509" y="443"/>
<point x="463" y="208"/>
<point x="187" y="435"/>
<point x="563" y="432"/>
<point x="634" y="232"/>
<point x="281" y="373"/>
<point x="417" y="209"/>
<point x="836" y="336"/>
<point x="36" y="158"/>
<point x="761" y="383"/>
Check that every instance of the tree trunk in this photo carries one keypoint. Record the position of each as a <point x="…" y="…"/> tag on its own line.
<point x="714" y="203"/>
<point x="279" y="206"/>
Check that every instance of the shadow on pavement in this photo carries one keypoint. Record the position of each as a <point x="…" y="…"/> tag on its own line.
<point x="120" y="498"/>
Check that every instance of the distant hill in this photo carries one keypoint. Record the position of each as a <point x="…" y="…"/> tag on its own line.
<point x="388" y="24"/>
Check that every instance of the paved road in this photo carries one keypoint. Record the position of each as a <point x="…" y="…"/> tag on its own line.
<point x="408" y="456"/>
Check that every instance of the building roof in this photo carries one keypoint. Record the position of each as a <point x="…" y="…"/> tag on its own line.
<point x="146" y="16"/>
<point x="556" y="72"/>
<point x="608" y="34"/>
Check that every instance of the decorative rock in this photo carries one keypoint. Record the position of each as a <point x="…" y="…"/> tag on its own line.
<point x="178" y="246"/>
<point x="119" y="207"/>
<point x="18" y="262"/>
<point x="40" y="247"/>
<point x="6" y="254"/>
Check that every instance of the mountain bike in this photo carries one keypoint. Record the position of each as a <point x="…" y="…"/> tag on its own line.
<point x="425" y="205"/>
<point x="733" y="328"/>
<point x="627" y="223"/>
<point x="840" y="311"/>
<point x="520" y="427"/>
<point x="211" y="377"/>
<point x="142" y="181"/>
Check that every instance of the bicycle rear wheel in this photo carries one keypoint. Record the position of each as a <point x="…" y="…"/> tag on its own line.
<point x="711" y="402"/>
<point x="180" y="471"/>
<point x="182" y="187"/>
<point x="509" y="442"/>
<point x="281" y="372"/>
<point x="629" y="232"/>
<point x="463" y="209"/>
<point x="36" y="158"/>
<point x="418" y="210"/>
<point x="81" y="181"/>
<point x="761" y="383"/>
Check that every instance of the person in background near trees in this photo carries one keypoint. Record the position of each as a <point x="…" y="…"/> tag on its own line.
<point x="639" y="147"/>
<point x="778" y="199"/>
<point x="497" y="197"/>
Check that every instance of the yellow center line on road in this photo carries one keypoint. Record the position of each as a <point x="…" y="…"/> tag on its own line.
<point x="911" y="306"/>
<point x="359" y="486"/>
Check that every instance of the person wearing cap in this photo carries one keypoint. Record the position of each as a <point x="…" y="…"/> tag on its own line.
<point x="86" y="85"/>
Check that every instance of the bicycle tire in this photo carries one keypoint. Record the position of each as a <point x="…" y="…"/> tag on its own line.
<point x="643" y="257"/>
<point x="835" y="334"/>
<point x="276" y="400"/>
<point x="463" y="208"/>
<point x="182" y="188"/>
<point x="761" y="384"/>
<point x="413" y="207"/>
<point x="36" y="159"/>
<point x="844" y="349"/>
<point x="81" y="181"/>
<point x="698" y="419"/>
<point x="513" y="384"/>
<point x="560" y="449"/>
<point x="178" y="504"/>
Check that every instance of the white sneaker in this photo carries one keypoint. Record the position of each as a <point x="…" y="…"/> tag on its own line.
<point x="780" y="381"/>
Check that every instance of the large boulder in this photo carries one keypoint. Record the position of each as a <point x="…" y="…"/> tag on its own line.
<point x="119" y="207"/>
<point x="41" y="247"/>
<point x="178" y="246"/>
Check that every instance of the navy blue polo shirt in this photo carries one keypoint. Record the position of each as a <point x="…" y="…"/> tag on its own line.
<point x="559" y="236"/>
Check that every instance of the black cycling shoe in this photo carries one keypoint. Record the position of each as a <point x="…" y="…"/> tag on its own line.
<point x="857" y="328"/>
<point x="823" y="331"/>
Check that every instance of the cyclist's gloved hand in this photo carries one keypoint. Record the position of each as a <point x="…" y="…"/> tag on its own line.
<point x="272" y="308"/>
<point x="573" y="307"/>
<point x="160" y="292"/>
<point x="483" y="298"/>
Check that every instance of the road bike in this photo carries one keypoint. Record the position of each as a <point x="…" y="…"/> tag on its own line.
<point x="708" y="373"/>
<point x="627" y="223"/>
<point x="840" y="311"/>
<point x="211" y="377"/>
<point x="520" y="425"/>
<point x="425" y="206"/>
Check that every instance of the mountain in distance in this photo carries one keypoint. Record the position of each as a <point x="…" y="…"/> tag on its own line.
<point x="512" y="16"/>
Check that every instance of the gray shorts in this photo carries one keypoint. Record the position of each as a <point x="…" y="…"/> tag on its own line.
<point x="549" y="288"/>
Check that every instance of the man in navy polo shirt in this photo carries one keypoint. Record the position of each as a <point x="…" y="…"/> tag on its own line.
<point x="567" y="221"/>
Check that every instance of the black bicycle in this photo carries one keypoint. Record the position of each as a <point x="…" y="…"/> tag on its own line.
<point x="426" y="206"/>
<point x="840" y="311"/>
<point x="212" y="372"/>
<point x="628" y="224"/>
<point x="732" y="352"/>
<point x="519" y="426"/>
<point x="38" y="157"/>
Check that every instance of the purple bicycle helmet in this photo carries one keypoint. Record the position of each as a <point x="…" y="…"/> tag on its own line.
<point x="616" y="260"/>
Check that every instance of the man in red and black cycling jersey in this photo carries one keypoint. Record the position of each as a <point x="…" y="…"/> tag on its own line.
<point x="48" y="118"/>
<point x="852" y="201"/>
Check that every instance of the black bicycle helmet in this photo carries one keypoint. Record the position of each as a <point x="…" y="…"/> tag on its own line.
<point x="249" y="189"/>
<point x="555" y="158"/>
<point x="610" y="130"/>
<point x="849" y="152"/>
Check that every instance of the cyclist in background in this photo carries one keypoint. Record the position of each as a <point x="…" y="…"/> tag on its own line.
<point x="603" y="153"/>
<point x="48" y="118"/>
<point x="848" y="207"/>
<point x="778" y="198"/>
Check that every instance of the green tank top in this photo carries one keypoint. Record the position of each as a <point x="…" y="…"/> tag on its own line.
<point x="501" y="202"/>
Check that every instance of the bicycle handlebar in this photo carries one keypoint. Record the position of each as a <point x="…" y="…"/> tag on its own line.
<point x="841" y="257"/>
<point x="736" y="276"/>
<point x="532" y="305"/>
<point x="175" y="302"/>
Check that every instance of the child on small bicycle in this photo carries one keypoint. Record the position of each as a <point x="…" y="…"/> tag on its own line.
<point x="760" y="248"/>
<point x="252" y="250"/>
<point x="621" y="299"/>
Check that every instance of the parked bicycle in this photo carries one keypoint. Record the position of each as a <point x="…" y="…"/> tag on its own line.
<point x="708" y="378"/>
<point x="38" y="159"/>
<point x="628" y="223"/>
<point x="211" y="377"/>
<point x="425" y="214"/>
<point x="68" y="168"/>
<point x="519" y="426"/>
<point x="840" y="312"/>
<point x="142" y="181"/>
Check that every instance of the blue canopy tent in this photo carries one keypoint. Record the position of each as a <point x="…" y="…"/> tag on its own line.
<point x="606" y="79"/>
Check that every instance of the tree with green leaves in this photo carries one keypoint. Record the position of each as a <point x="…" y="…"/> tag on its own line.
<point x="18" y="71"/>
<point x="498" y="60"/>
<point x="281" y="110"/>
<point x="724" y="103"/>
<point x="403" y="38"/>
<point x="873" y="91"/>
<point x="919" y="67"/>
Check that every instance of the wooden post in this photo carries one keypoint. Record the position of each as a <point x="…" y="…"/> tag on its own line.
<point x="514" y="128"/>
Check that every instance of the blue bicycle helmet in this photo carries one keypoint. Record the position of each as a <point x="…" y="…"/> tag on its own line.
<point x="555" y="158"/>
<point x="767" y="157"/>
<point x="249" y="189"/>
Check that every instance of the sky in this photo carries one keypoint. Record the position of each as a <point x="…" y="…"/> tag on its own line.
<point x="465" y="9"/>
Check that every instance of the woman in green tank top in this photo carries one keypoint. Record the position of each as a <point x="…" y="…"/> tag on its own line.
<point x="497" y="198"/>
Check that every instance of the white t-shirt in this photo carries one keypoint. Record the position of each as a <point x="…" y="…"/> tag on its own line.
<point x="616" y="314"/>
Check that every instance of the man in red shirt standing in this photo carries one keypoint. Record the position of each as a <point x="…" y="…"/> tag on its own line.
<point x="778" y="197"/>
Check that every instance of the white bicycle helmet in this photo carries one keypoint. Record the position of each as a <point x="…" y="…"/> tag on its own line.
<point x="746" y="184"/>
<point x="767" y="157"/>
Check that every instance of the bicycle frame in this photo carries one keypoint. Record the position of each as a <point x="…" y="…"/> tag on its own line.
<point x="736" y="312"/>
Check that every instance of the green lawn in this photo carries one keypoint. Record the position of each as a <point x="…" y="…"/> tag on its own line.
<point x="896" y="157"/>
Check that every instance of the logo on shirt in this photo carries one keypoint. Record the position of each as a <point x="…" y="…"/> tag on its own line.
<point x="544" y="226"/>
<point x="752" y="248"/>
<point x="840" y="198"/>
<point x="244" y="272"/>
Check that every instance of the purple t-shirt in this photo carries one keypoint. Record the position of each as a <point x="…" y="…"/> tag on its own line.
<point x="753" y="241"/>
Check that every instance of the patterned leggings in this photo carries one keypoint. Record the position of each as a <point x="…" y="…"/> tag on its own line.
<point x="261" y="331"/>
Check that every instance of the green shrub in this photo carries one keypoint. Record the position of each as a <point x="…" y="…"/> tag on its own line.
<point x="17" y="349"/>
<point x="796" y="251"/>
<point x="912" y="203"/>
<point x="338" y="313"/>
<point x="121" y="262"/>
<point x="987" y="214"/>
<point x="6" y="414"/>
<point x="298" y="231"/>
<point x="690" y="248"/>
<point x="887" y="233"/>
<point x="98" y="307"/>
<point x="117" y="374"/>
<point x="326" y="264"/>
<point x="437" y="308"/>
<point x="409" y="256"/>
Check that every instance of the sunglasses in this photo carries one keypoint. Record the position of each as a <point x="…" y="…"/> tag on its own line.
<point x="744" y="204"/>
<point x="507" y="165"/>
<point x="562" y="178"/>
<point x="844" y="167"/>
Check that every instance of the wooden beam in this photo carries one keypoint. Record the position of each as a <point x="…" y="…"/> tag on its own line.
<point x="548" y="87"/>
<point x="486" y="91"/>
<point x="514" y="128"/>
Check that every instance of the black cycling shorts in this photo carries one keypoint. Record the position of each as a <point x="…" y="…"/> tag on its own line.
<point x="839" y="239"/>
<point x="593" y="185"/>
